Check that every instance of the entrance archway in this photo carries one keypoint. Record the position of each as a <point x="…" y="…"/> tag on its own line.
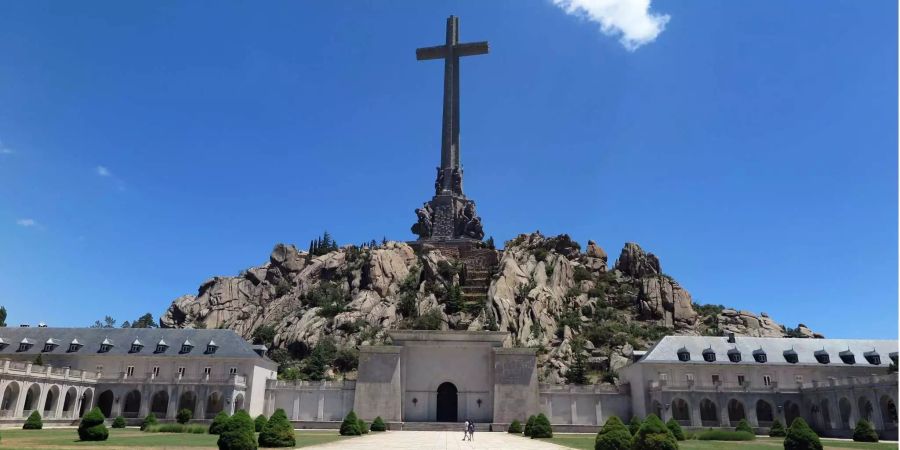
<point x="735" y="412"/>
<point x="709" y="413"/>
<point x="764" y="413"/>
<point x="159" y="404"/>
<point x="446" y="402"/>
<point x="132" y="404"/>
<point x="681" y="412"/>
<point x="791" y="412"/>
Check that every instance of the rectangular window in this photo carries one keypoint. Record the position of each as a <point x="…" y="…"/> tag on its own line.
<point x="715" y="379"/>
<point x="129" y="371"/>
<point x="663" y="376"/>
<point x="155" y="371"/>
<point x="207" y="371"/>
<point x="767" y="380"/>
<point x="233" y="371"/>
<point x="740" y="380"/>
<point x="181" y="371"/>
<point x="689" y="377"/>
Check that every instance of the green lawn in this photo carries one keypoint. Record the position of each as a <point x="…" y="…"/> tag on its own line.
<point x="133" y="439"/>
<point x="586" y="442"/>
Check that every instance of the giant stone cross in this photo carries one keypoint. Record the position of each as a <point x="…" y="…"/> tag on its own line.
<point x="449" y="215"/>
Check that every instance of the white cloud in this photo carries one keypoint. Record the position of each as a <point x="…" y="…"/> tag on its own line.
<point x="103" y="171"/>
<point x="27" y="223"/>
<point x="630" y="19"/>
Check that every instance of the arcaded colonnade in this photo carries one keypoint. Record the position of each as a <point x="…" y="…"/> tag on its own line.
<point x="164" y="400"/>
<point x="60" y="394"/>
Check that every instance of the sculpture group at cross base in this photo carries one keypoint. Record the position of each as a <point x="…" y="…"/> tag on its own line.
<point x="467" y="224"/>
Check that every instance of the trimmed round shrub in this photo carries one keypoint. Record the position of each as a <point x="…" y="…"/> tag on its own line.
<point x="238" y="433"/>
<point x="278" y="431"/>
<point x="654" y="435"/>
<point x="529" y="424"/>
<point x="515" y="427"/>
<point x="743" y="425"/>
<point x="541" y="427"/>
<point x="33" y="422"/>
<point x="676" y="430"/>
<point x="184" y="416"/>
<point x="91" y="427"/>
<point x="148" y="421"/>
<point x="864" y="432"/>
<point x="378" y="424"/>
<point x="350" y="425"/>
<point x="725" y="435"/>
<point x="613" y="436"/>
<point x="119" y="422"/>
<point x="260" y="422"/>
<point x="634" y="425"/>
<point x="801" y="437"/>
<point x="777" y="429"/>
<point x="218" y="423"/>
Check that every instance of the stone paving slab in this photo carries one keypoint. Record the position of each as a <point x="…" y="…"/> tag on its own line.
<point x="437" y="440"/>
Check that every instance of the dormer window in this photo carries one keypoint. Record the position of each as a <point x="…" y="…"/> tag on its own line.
<point x="893" y="356"/>
<point x="136" y="346"/>
<point x="106" y="345"/>
<point x="161" y="347"/>
<point x="873" y="357"/>
<point x="734" y="355"/>
<point x="50" y="345"/>
<point x="211" y="347"/>
<point x="760" y="356"/>
<point x="791" y="356"/>
<point x="822" y="356"/>
<point x="186" y="347"/>
<point x="74" y="346"/>
<point x="3" y="344"/>
<point x="709" y="355"/>
<point x="684" y="354"/>
<point x="24" y="345"/>
<point x="847" y="357"/>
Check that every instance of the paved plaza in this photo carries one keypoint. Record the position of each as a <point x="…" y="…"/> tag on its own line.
<point x="438" y="440"/>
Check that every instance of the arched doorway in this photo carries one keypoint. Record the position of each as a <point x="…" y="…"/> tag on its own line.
<point x="735" y="412"/>
<point x="188" y="400"/>
<point x="446" y="402"/>
<point x="159" y="404"/>
<point x="709" y="413"/>
<point x="86" y="398"/>
<point x="844" y="407"/>
<point x="132" y="404"/>
<point x="214" y="405"/>
<point x="105" y="403"/>
<point x="764" y="414"/>
<point x="681" y="412"/>
<point x="791" y="412"/>
<point x="239" y="402"/>
<point x="50" y="402"/>
<point x="31" y="399"/>
<point x="888" y="412"/>
<point x="10" y="399"/>
<point x="68" y="408"/>
<point x="865" y="409"/>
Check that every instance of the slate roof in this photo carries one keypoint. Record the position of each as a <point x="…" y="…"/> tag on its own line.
<point x="666" y="350"/>
<point x="229" y="344"/>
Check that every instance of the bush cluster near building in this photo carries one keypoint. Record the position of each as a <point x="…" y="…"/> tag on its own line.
<point x="148" y="421"/>
<point x="676" y="430"/>
<point x="515" y="427"/>
<point x="218" y="423"/>
<point x="33" y="422"/>
<point x="278" y="431"/>
<point x="634" y="425"/>
<point x="541" y="427"/>
<point x="777" y="429"/>
<point x="350" y="425"/>
<point x="529" y="424"/>
<point x="119" y="422"/>
<point x="260" y="422"/>
<point x="743" y="425"/>
<point x="613" y="436"/>
<point x="654" y="435"/>
<point x="238" y="433"/>
<point x="184" y="416"/>
<point x="864" y="432"/>
<point x="801" y="437"/>
<point x="91" y="427"/>
<point x="378" y="424"/>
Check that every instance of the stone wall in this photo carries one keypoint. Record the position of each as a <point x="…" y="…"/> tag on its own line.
<point x="583" y="408"/>
<point x="311" y="401"/>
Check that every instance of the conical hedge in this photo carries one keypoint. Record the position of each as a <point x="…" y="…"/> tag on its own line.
<point x="260" y="422"/>
<point x="675" y="428"/>
<point x="91" y="427"/>
<point x="149" y="420"/>
<point x="238" y="433"/>
<point x="743" y="425"/>
<point x="801" y="437"/>
<point x="541" y="427"/>
<point x="218" y="423"/>
<point x="33" y="422"/>
<point x="278" y="431"/>
<point x="777" y="429"/>
<point x="378" y="424"/>
<point x="654" y="435"/>
<point x="119" y="422"/>
<point x="350" y="425"/>
<point x="613" y="436"/>
<point x="529" y="424"/>
<point x="864" y="432"/>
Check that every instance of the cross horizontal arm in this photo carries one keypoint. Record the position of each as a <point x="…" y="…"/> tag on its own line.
<point x="471" y="48"/>
<point x="436" y="52"/>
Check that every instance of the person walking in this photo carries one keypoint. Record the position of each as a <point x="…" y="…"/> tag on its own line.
<point x="472" y="430"/>
<point x="465" y="430"/>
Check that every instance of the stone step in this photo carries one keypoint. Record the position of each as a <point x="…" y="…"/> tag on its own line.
<point x="443" y="426"/>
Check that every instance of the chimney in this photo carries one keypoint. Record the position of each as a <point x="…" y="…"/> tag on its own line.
<point x="731" y="338"/>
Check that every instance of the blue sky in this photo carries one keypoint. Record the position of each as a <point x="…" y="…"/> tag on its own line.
<point x="147" y="146"/>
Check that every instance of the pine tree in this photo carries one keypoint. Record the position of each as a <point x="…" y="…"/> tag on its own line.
<point x="350" y="425"/>
<point x="577" y="373"/>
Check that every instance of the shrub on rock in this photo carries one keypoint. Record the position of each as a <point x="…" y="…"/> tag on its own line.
<point x="119" y="422"/>
<point x="634" y="425"/>
<point x="541" y="427"/>
<point x="238" y="433"/>
<point x="33" y="422"/>
<point x="864" y="432"/>
<point x="515" y="427"/>
<point x="218" y="423"/>
<point x="676" y="430"/>
<point x="743" y="425"/>
<point x="148" y="421"/>
<point x="350" y="425"/>
<point x="777" y="429"/>
<point x="801" y="437"/>
<point x="91" y="427"/>
<point x="529" y="424"/>
<point x="378" y="424"/>
<point x="278" y="431"/>
<point x="654" y="435"/>
<point x="184" y="416"/>
<point x="260" y="422"/>
<point x="613" y="436"/>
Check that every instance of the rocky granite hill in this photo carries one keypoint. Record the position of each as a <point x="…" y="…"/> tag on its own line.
<point x="584" y="317"/>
